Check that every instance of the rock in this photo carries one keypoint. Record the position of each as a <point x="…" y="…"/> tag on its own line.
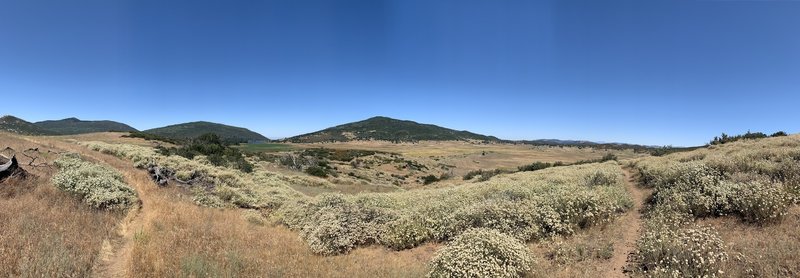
<point x="10" y="168"/>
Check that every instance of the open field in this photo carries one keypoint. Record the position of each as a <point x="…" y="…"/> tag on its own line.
<point x="266" y="147"/>
<point x="572" y="221"/>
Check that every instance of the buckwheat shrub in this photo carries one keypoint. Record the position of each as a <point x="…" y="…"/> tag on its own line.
<point x="682" y="252"/>
<point x="761" y="202"/>
<point x="482" y="253"/>
<point x="339" y="225"/>
<point x="98" y="186"/>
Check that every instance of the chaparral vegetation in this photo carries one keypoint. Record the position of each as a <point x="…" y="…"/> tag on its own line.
<point x="536" y="220"/>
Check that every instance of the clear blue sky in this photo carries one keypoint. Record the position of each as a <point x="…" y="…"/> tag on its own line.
<point x="651" y="72"/>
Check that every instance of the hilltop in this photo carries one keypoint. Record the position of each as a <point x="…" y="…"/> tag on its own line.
<point x="75" y="126"/>
<point x="16" y="125"/>
<point x="195" y="129"/>
<point x="388" y="129"/>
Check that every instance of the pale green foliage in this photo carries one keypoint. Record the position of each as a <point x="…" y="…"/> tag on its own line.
<point x="260" y="189"/>
<point x="482" y="253"/>
<point x="98" y="186"/>
<point x="761" y="202"/>
<point x="680" y="252"/>
<point x="527" y="206"/>
<point x="756" y="180"/>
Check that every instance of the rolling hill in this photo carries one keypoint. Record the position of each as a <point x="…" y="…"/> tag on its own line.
<point x="16" y="125"/>
<point x="75" y="126"/>
<point x="388" y="129"/>
<point x="195" y="129"/>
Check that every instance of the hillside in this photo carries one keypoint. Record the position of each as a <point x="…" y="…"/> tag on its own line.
<point x="16" y="125"/>
<point x="75" y="126"/>
<point x="388" y="129"/>
<point x="195" y="129"/>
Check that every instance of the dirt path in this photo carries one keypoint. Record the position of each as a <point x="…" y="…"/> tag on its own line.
<point x="632" y="221"/>
<point x="114" y="259"/>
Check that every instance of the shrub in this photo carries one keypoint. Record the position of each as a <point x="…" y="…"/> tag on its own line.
<point x="760" y="202"/>
<point x="683" y="252"/>
<point x="405" y="232"/>
<point x="98" y="186"/>
<point x="339" y="225"/>
<point x="482" y="253"/>
<point x="316" y="171"/>
<point x="426" y="180"/>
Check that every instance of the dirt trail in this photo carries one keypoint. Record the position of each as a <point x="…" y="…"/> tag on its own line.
<point x="114" y="259"/>
<point x="632" y="221"/>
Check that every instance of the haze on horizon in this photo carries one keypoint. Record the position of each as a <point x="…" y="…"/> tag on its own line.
<point x="646" y="72"/>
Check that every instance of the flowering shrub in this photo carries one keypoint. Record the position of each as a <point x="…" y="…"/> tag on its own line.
<point x="683" y="252"/>
<point x="229" y="187"/>
<point x="527" y="206"/>
<point x="755" y="180"/>
<point x="482" y="253"/>
<point x="761" y="202"/>
<point x="338" y="226"/>
<point x="98" y="186"/>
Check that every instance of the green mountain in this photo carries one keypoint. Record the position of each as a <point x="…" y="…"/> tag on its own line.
<point x="16" y="125"/>
<point x="388" y="129"/>
<point x="195" y="129"/>
<point x="75" y="126"/>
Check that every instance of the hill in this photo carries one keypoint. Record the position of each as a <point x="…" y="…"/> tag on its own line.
<point x="388" y="129"/>
<point x="195" y="129"/>
<point x="16" y="125"/>
<point x="75" y="126"/>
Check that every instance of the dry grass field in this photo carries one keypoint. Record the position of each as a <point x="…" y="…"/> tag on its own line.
<point x="47" y="231"/>
<point x="466" y="156"/>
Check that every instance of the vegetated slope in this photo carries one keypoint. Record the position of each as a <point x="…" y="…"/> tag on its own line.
<point x="75" y="126"/>
<point x="16" y="125"/>
<point x="195" y="129"/>
<point x="383" y="128"/>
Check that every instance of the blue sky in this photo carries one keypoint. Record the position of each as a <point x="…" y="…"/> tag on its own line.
<point x="650" y="72"/>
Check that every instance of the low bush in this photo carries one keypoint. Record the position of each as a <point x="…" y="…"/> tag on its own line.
<point x="761" y="202"/>
<point x="680" y="252"/>
<point x="98" y="186"/>
<point x="482" y="253"/>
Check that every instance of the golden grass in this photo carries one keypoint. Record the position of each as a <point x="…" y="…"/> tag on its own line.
<point x="221" y="242"/>
<point x="46" y="232"/>
<point x="761" y="251"/>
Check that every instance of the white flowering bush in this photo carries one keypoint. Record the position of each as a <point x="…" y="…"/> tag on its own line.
<point x="756" y="180"/>
<point x="259" y="189"/>
<point x="482" y="253"/>
<point x="339" y="225"/>
<point x="98" y="186"/>
<point x="761" y="202"/>
<point x="527" y="206"/>
<point x="680" y="252"/>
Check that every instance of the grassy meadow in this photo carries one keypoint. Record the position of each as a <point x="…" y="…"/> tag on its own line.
<point x="726" y="210"/>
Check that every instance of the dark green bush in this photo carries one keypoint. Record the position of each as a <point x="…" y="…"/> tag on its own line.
<point x="317" y="171"/>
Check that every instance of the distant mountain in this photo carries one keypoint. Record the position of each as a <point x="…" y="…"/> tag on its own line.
<point x="388" y="129"/>
<point x="75" y="126"/>
<point x="195" y="129"/>
<point x="16" y="125"/>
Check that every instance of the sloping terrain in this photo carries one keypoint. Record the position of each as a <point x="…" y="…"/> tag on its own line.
<point x="16" y="125"/>
<point x="388" y="129"/>
<point x="734" y="202"/>
<point x="195" y="129"/>
<point x="75" y="126"/>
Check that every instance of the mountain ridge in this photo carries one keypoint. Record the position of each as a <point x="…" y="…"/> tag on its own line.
<point x="71" y="126"/>
<point x="388" y="129"/>
<point x="194" y="129"/>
